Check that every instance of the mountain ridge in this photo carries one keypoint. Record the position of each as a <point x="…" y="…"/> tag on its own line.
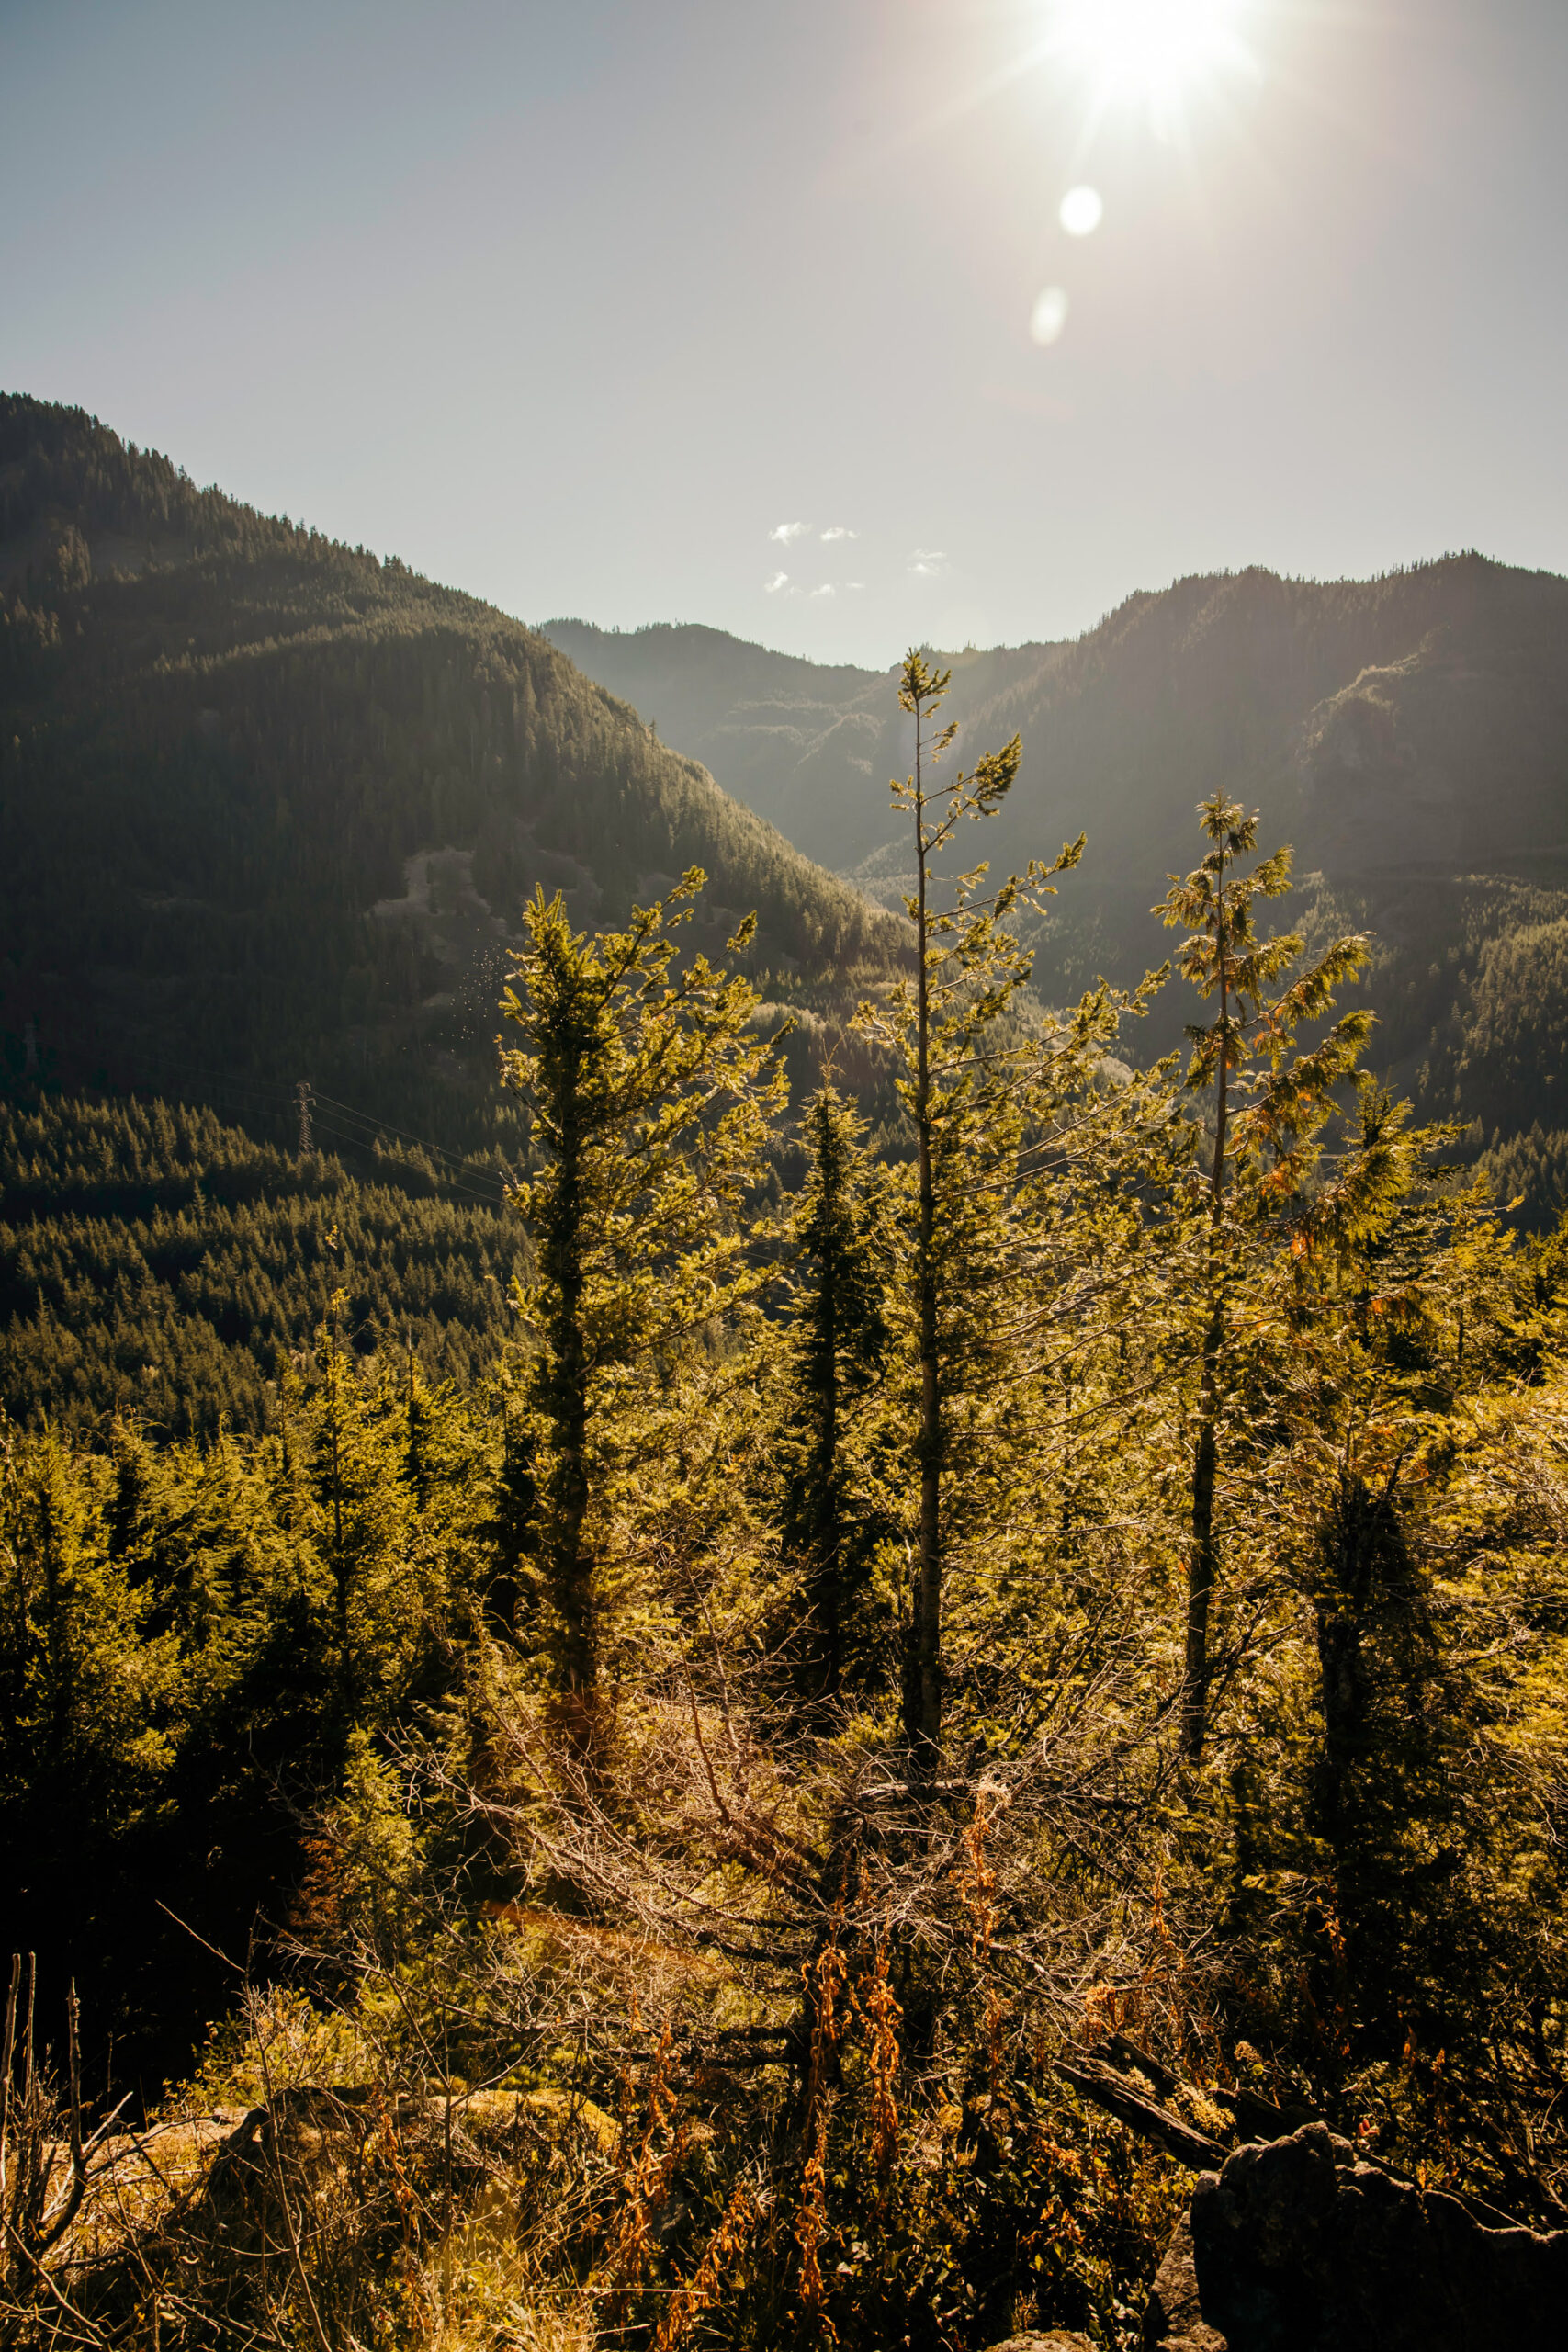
<point x="1408" y="735"/>
<point x="269" y="804"/>
<point x="1343" y="643"/>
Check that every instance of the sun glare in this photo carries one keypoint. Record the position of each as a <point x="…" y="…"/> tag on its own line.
<point x="1157" y="53"/>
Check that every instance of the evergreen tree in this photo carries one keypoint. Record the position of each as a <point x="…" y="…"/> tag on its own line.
<point x="87" y="1679"/>
<point x="651" y="1096"/>
<point x="362" y="1514"/>
<point x="1390" y="1262"/>
<point x="1270" y="1104"/>
<point x="985" y="1096"/>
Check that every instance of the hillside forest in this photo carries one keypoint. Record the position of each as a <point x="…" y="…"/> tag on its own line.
<point x="600" y="1729"/>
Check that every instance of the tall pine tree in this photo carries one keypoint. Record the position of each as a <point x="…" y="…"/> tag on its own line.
<point x="651" y="1096"/>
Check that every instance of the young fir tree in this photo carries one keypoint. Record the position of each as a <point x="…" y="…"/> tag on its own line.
<point x="1269" y="1105"/>
<point x="652" y="1097"/>
<point x="362" y="1518"/>
<point x="840" y="1342"/>
<point x="1397" y="1912"/>
<point x="85" y="1681"/>
<point x="979" y="1092"/>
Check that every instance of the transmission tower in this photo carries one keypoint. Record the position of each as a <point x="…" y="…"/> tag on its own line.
<point x="306" y="1097"/>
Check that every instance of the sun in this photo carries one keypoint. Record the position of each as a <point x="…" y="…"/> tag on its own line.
<point x="1155" y="53"/>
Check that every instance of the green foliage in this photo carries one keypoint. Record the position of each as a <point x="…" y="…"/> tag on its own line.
<point x="650" y="1101"/>
<point x="835" y="1509"/>
<point x="1001" y="1208"/>
<point x="89" y="1679"/>
<point x="154" y="1263"/>
<point x="1530" y="1169"/>
<point x="1036" y="2217"/>
<point x="658" y="1934"/>
<point x="1249" y="1048"/>
<point x="192" y="1639"/>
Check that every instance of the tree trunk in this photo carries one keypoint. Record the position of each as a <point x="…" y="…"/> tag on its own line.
<point x="1203" y="1565"/>
<point x="826" y="1534"/>
<point x="571" y="1572"/>
<point x="1358" y="1531"/>
<point x="923" y="1688"/>
<point x="342" y="1567"/>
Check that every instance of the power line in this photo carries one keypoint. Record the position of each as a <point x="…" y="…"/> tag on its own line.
<point x="305" y="1098"/>
<point x="448" y="1168"/>
<point x="457" y="1183"/>
<point x="385" y="1126"/>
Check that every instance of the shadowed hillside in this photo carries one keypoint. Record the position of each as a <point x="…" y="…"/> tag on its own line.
<point x="808" y="746"/>
<point x="269" y="806"/>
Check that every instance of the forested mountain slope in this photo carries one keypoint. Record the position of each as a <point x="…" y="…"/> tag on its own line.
<point x="808" y="745"/>
<point x="269" y="806"/>
<point x="1418" y="719"/>
<point x="1408" y="736"/>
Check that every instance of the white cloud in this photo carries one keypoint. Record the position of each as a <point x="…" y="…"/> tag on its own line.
<point x="780" y="579"/>
<point x="927" y="563"/>
<point x="827" y="589"/>
<point x="838" y="531"/>
<point x="785" y="534"/>
<point x="853" y="585"/>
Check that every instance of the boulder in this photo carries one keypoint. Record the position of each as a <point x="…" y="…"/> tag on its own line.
<point x="1298" y="2247"/>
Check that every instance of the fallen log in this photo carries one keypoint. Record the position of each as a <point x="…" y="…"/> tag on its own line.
<point x="1256" y="2118"/>
<point x="1121" y="2096"/>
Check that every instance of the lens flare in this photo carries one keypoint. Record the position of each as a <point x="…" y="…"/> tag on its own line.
<point x="1082" y="210"/>
<point x="1049" y="315"/>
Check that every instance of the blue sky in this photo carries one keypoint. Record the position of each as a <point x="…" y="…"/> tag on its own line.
<point x="576" y="306"/>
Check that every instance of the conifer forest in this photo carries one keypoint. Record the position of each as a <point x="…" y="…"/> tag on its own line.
<point x="670" y="1717"/>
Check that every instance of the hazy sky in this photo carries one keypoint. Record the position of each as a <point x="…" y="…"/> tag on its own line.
<point x="574" y="304"/>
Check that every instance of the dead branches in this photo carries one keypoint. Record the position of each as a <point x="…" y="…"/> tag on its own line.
<point x="34" y="2213"/>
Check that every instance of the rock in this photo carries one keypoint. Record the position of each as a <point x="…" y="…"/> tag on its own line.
<point x="1055" y="2339"/>
<point x="1298" y="2246"/>
<point x="1173" y="2320"/>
